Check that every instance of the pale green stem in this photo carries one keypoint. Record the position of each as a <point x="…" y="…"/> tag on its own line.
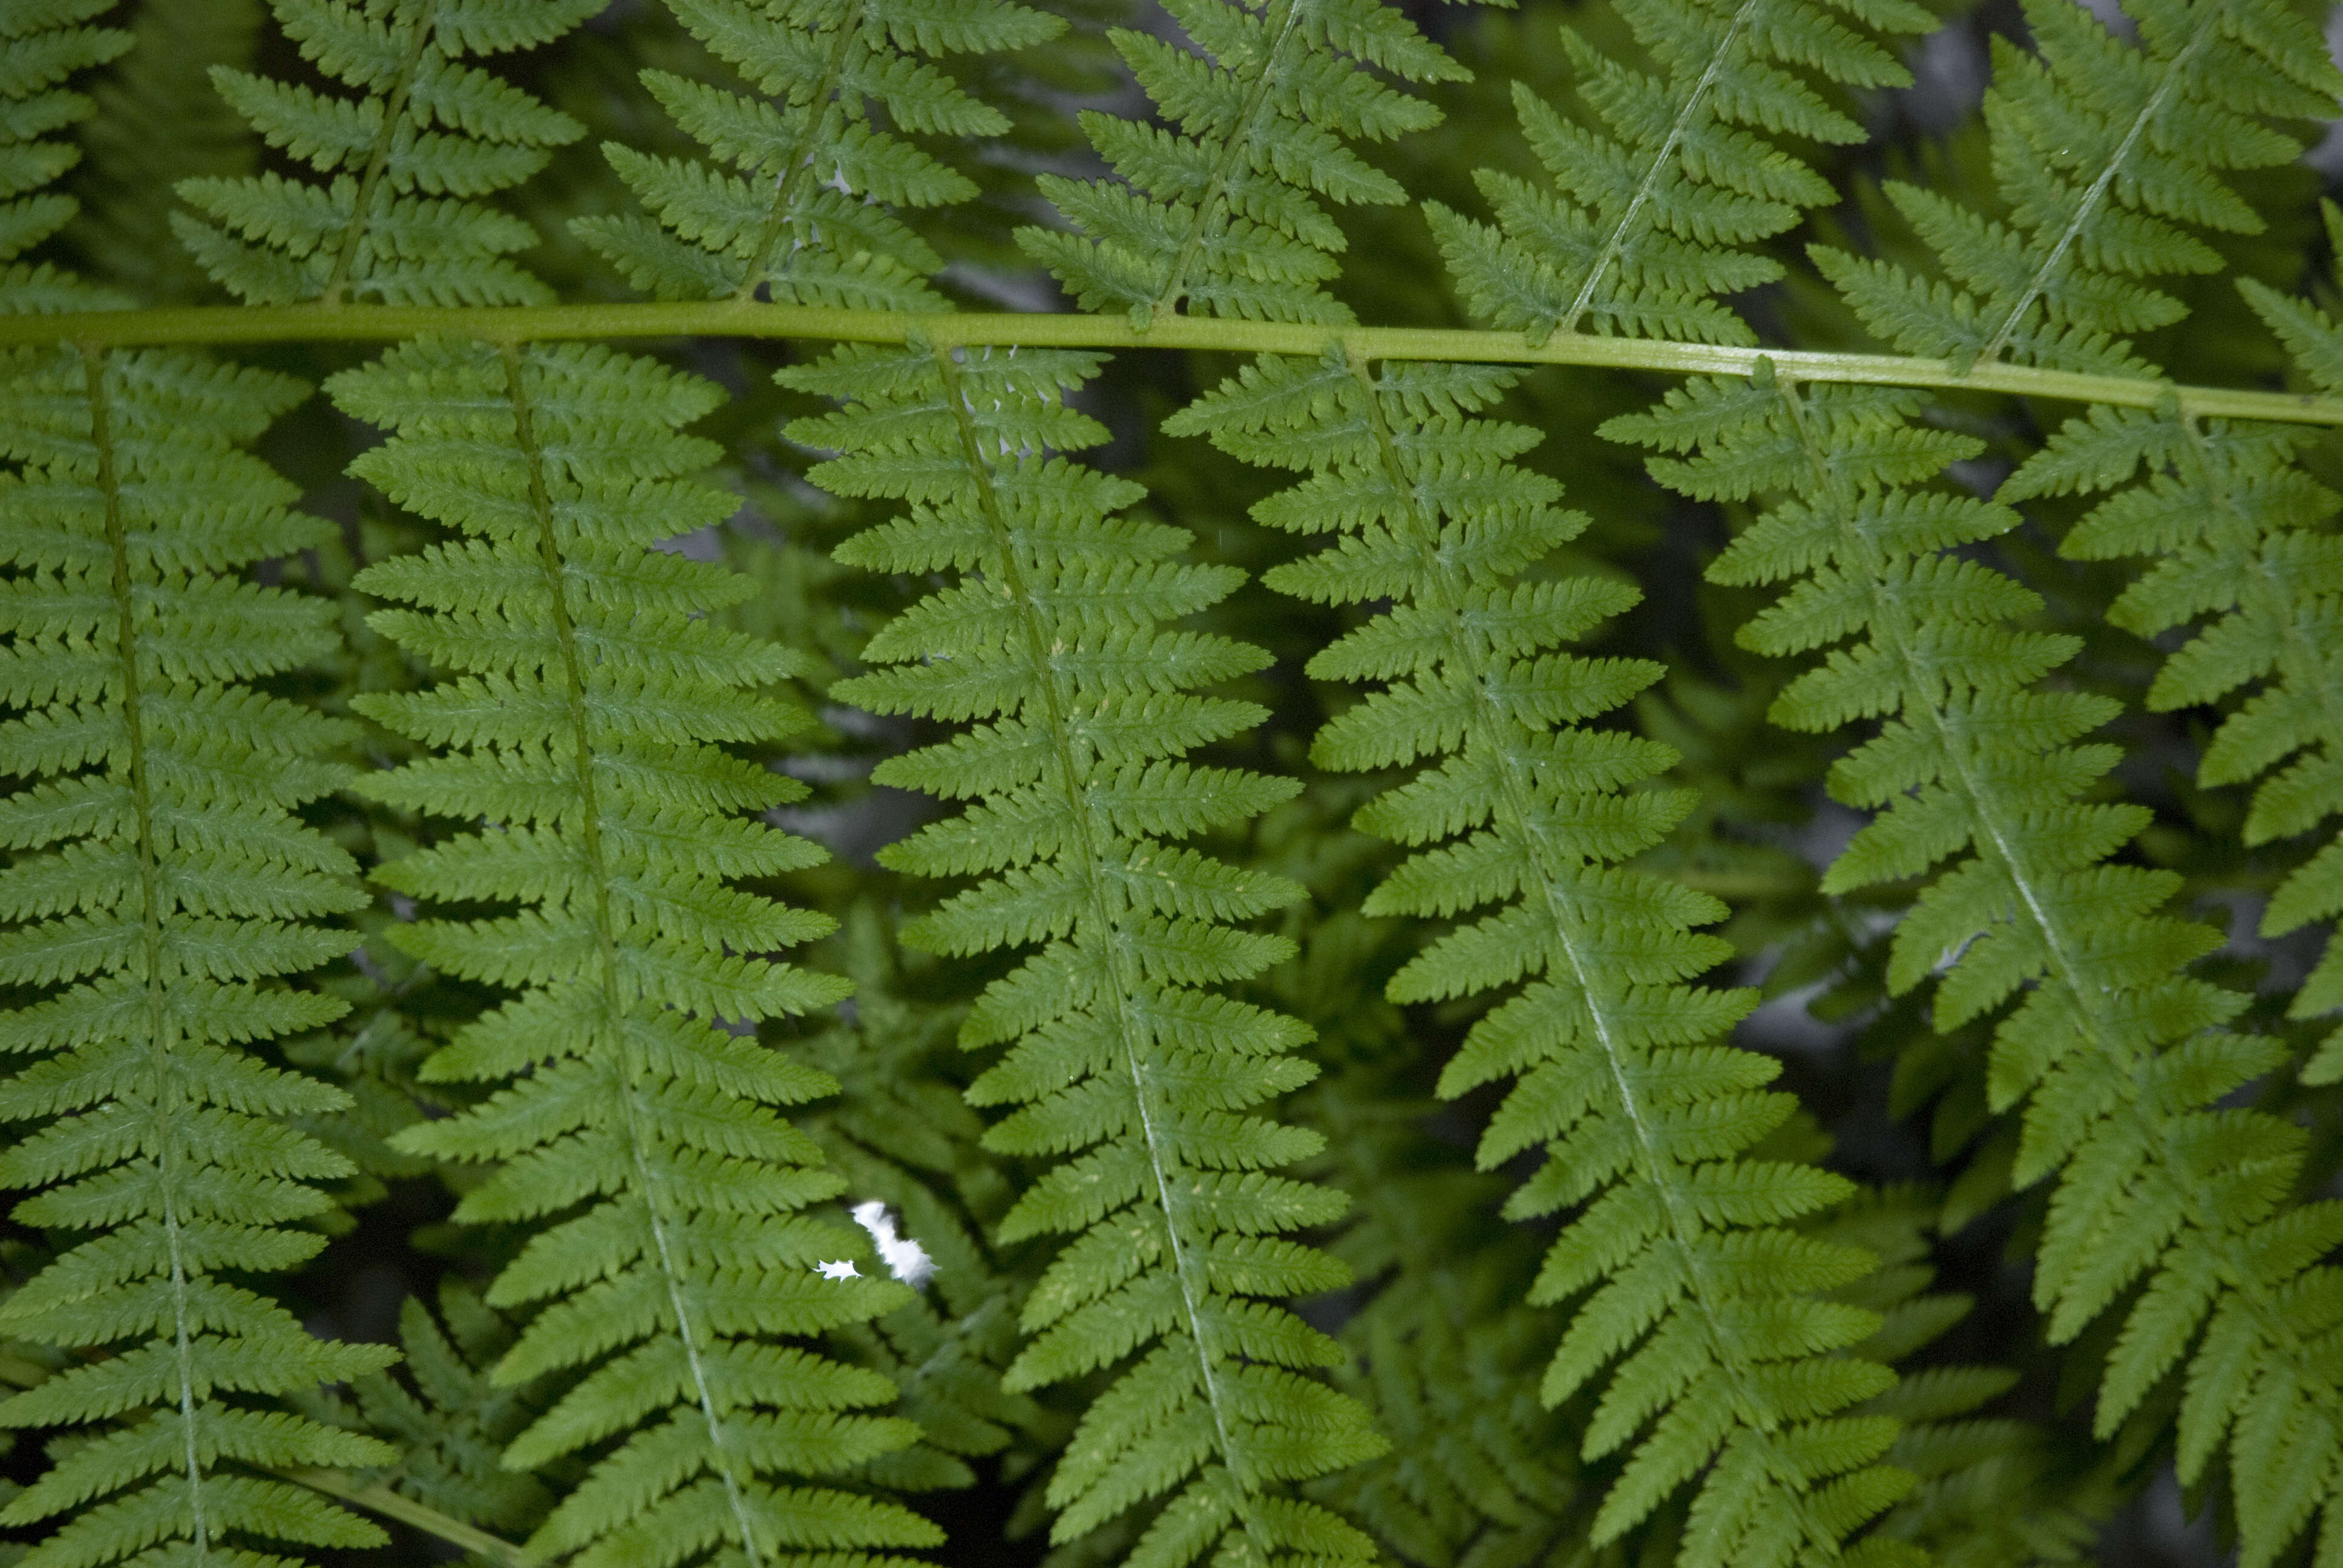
<point x="740" y="318"/>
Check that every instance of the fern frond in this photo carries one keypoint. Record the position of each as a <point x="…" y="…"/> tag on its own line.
<point x="806" y="220"/>
<point x="1659" y="197"/>
<point x="1222" y="216"/>
<point x="1122" y="1059"/>
<point x="582" y="723"/>
<point x="399" y="219"/>
<point x="161" y="887"/>
<point x="2116" y="1052"/>
<point x="2165" y="1205"/>
<point x="1703" y="1308"/>
<point x="162" y="884"/>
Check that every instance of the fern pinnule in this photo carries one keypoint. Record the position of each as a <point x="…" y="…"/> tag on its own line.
<point x="400" y="219"/>
<point x="582" y="726"/>
<point x="1123" y="1060"/>
<point x="1220" y="216"/>
<point x="806" y="221"/>
<point x="1527" y="807"/>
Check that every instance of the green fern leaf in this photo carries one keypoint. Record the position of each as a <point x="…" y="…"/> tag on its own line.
<point x="1120" y="1058"/>
<point x="588" y="739"/>
<point x="1976" y="759"/>
<point x="1977" y="771"/>
<point x="2104" y="154"/>
<point x="41" y="49"/>
<point x="159" y="120"/>
<point x="2237" y="529"/>
<point x="398" y="221"/>
<point x="1641" y="1120"/>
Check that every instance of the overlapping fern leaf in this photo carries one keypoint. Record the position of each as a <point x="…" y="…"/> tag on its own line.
<point x="2246" y="553"/>
<point x="449" y="1417"/>
<point x="2118" y="1053"/>
<point x="400" y="217"/>
<point x="1670" y="178"/>
<point x="159" y="120"/>
<point x="1446" y="1352"/>
<point x="1989" y="1492"/>
<point x="1121" y="1056"/>
<point x="582" y="726"/>
<point x="1221" y="216"/>
<point x="2163" y="1202"/>
<point x="821" y="161"/>
<point x="1703" y="1308"/>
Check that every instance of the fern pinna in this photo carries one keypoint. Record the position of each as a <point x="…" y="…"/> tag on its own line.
<point x="1222" y="216"/>
<point x="1710" y="1302"/>
<point x="1728" y="1350"/>
<point x="1121" y="1056"/>
<point x="2238" y="526"/>
<point x="811" y="224"/>
<point x="400" y="221"/>
<point x="161" y="892"/>
<point x="582" y="724"/>
<point x="2118" y="1053"/>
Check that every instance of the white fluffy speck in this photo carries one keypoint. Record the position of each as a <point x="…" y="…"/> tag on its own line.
<point x="905" y="1258"/>
<point x="843" y="1268"/>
